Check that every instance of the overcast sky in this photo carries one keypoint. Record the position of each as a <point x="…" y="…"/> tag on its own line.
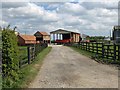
<point x="91" y="18"/>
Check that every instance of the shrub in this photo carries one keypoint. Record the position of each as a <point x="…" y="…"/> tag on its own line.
<point x="10" y="60"/>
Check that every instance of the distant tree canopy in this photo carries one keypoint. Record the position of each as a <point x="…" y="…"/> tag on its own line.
<point x="96" y="38"/>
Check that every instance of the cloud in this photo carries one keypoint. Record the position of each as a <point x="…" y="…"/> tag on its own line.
<point x="50" y="17"/>
<point x="91" y="18"/>
<point x="100" y="4"/>
<point x="71" y="8"/>
<point x="13" y="4"/>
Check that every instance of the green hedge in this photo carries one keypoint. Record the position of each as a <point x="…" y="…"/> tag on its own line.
<point x="10" y="60"/>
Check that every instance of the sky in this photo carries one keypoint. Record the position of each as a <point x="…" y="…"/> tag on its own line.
<point x="94" y="18"/>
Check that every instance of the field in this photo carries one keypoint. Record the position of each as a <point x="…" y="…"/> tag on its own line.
<point x="29" y="72"/>
<point x="23" y="57"/>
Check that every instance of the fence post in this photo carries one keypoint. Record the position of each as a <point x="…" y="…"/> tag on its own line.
<point x="86" y="46"/>
<point x="108" y="47"/>
<point x="97" y="47"/>
<point x="114" y="57"/>
<point x="93" y="47"/>
<point x="28" y="51"/>
<point x="80" y="45"/>
<point x="83" y="45"/>
<point x="102" y="50"/>
<point x="118" y="51"/>
<point x="90" y="46"/>
<point x="34" y="52"/>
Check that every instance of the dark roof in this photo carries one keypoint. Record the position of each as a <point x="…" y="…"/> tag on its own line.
<point x="61" y="31"/>
<point x="116" y="27"/>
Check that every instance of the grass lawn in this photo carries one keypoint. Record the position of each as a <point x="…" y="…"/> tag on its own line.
<point x="29" y="72"/>
<point x="23" y="57"/>
<point x="92" y="56"/>
<point x="83" y="52"/>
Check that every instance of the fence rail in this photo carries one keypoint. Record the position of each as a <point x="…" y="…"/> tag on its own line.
<point x="27" y="54"/>
<point x="108" y="51"/>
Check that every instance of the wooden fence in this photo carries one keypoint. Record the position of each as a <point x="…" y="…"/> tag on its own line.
<point x="29" y="53"/>
<point x="108" y="51"/>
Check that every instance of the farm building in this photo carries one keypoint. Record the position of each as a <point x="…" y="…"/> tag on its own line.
<point x="42" y="37"/>
<point x="64" y="36"/>
<point x="116" y="34"/>
<point x="84" y="36"/>
<point x="24" y="40"/>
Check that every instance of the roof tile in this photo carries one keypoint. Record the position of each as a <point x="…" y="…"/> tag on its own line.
<point x="28" y="37"/>
<point x="44" y="33"/>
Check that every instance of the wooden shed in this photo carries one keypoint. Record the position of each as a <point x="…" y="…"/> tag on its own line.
<point x="116" y="34"/>
<point x="42" y="37"/>
<point x="65" y="36"/>
<point x="24" y="40"/>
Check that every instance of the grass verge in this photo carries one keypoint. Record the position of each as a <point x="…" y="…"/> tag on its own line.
<point x="83" y="52"/>
<point x="29" y="72"/>
<point x="93" y="56"/>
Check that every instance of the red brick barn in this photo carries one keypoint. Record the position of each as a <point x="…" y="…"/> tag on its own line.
<point x="24" y="40"/>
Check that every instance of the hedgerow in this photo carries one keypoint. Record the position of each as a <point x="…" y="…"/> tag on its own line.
<point x="10" y="60"/>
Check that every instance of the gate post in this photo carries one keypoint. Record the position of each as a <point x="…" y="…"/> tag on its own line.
<point x="102" y="50"/>
<point x="118" y="51"/>
<point x="97" y="47"/>
<point x="28" y="51"/>
<point x="114" y="51"/>
<point x="86" y="46"/>
<point x="93" y="47"/>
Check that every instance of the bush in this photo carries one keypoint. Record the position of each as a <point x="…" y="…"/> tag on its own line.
<point x="10" y="60"/>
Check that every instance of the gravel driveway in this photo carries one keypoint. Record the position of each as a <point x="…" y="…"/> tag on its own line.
<point x="65" y="68"/>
